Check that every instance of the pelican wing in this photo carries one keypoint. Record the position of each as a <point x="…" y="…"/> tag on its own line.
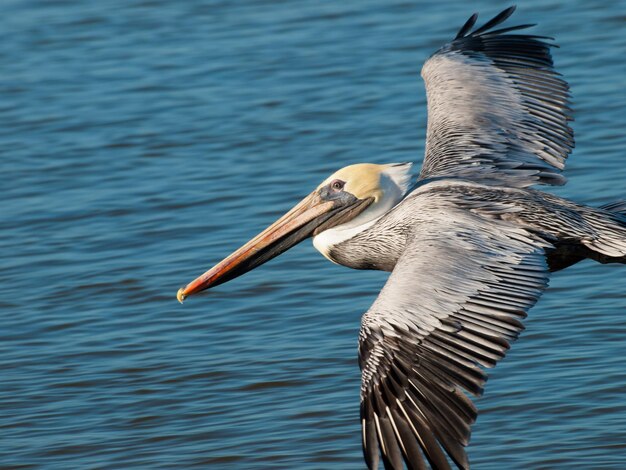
<point x="497" y="110"/>
<point x="451" y="306"/>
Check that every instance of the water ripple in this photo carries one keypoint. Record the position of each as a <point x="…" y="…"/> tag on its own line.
<point x="145" y="140"/>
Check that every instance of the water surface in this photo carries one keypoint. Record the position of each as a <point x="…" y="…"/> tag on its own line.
<point x="144" y="140"/>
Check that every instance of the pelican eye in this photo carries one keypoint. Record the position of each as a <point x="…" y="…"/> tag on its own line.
<point x="337" y="185"/>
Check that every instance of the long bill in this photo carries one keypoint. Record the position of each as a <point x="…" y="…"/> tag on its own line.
<point x="293" y="227"/>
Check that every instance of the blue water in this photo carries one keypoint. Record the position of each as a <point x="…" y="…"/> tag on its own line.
<point x="141" y="141"/>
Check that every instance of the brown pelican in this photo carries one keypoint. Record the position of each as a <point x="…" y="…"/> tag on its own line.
<point x="469" y="246"/>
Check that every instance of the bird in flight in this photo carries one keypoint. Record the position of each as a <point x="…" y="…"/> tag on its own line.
<point x="470" y="246"/>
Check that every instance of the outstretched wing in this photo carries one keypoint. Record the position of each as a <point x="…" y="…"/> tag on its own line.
<point x="497" y="110"/>
<point x="452" y="305"/>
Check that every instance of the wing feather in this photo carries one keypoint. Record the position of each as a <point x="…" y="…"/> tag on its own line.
<point x="450" y="308"/>
<point x="495" y="21"/>
<point x="498" y="112"/>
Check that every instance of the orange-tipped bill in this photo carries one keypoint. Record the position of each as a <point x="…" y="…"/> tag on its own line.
<point x="312" y="213"/>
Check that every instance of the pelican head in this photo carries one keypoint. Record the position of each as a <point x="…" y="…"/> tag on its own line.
<point x="352" y="197"/>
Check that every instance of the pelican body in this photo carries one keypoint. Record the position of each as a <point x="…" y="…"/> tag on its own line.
<point x="470" y="246"/>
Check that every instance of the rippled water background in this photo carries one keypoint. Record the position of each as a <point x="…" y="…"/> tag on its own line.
<point x="144" y="140"/>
